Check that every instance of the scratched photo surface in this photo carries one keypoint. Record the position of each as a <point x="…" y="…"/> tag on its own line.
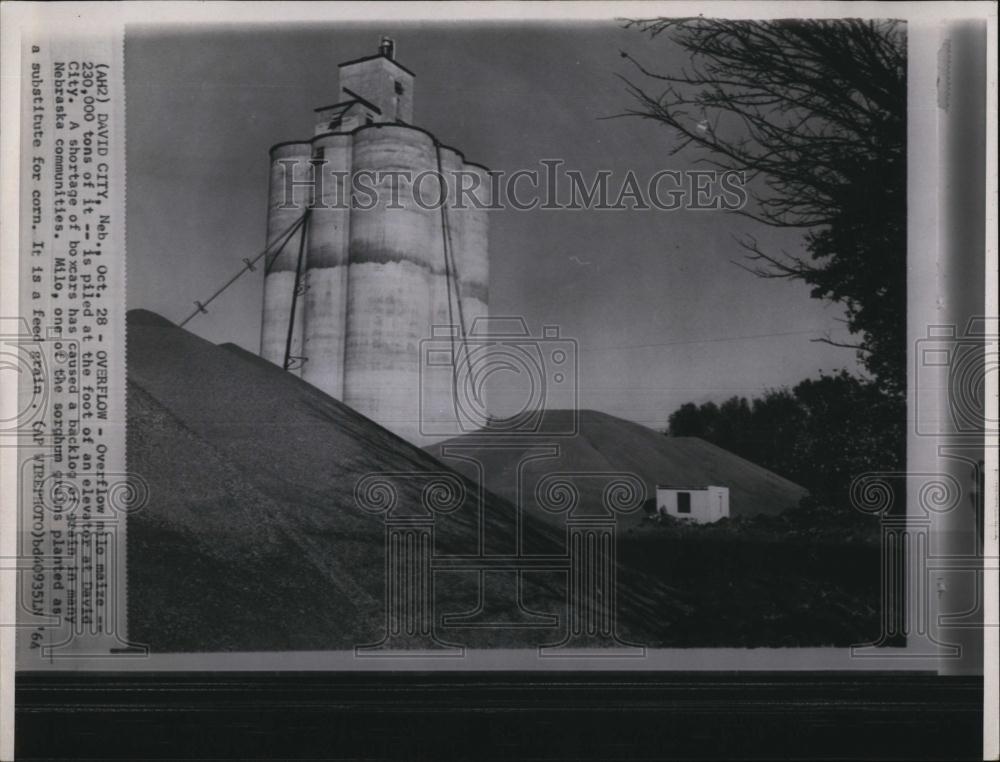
<point x="568" y="336"/>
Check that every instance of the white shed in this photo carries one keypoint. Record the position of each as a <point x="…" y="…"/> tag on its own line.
<point x="703" y="505"/>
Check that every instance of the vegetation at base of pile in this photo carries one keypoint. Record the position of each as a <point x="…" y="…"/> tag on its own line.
<point x="803" y="578"/>
<point x="811" y="522"/>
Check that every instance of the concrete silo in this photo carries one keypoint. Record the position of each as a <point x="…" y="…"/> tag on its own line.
<point x="380" y="268"/>
<point x="389" y="302"/>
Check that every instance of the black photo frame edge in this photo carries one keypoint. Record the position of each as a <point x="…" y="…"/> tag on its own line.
<point x="499" y="715"/>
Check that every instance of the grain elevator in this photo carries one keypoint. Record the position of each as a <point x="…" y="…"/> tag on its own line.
<point x="360" y="280"/>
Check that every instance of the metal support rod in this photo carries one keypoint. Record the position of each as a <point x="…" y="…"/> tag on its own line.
<point x="286" y="235"/>
<point x="295" y="290"/>
<point x="451" y="274"/>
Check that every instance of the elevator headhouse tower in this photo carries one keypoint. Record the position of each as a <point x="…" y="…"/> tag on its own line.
<point x="353" y="291"/>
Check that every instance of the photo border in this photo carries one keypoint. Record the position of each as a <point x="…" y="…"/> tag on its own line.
<point x="295" y="714"/>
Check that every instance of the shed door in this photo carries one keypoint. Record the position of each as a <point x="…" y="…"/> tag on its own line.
<point x="684" y="502"/>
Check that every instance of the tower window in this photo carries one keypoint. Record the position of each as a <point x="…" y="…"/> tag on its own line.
<point x="335" y="124"/>
<point x="369" y="119"/>
<point x="399" y="87"/>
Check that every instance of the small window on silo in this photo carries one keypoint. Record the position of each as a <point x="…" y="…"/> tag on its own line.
<point x="399" y="87"/>
<point x="335" y="124"/>
<point x="369" y="119"/>
<point x="684" y="502"/>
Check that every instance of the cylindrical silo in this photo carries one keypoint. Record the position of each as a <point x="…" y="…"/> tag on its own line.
<point x="285" y="206"/>
<point x="392" y="252"/>
<point x="326" y="276"/>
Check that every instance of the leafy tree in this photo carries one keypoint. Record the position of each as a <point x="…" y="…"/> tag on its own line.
<point x="690" y="420"/>
<point x="777" y="422"/>
<point x="814" y="112"/>
<point x="821" y="434"/>
<point x="849" y="428"/>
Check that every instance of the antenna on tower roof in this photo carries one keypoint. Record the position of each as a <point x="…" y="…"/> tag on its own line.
<point x="387" y="48"/>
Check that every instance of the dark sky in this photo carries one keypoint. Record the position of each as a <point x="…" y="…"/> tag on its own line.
<point x="660" y="313"/>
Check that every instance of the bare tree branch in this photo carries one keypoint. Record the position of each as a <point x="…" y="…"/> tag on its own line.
<point x="814" y="113"/>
